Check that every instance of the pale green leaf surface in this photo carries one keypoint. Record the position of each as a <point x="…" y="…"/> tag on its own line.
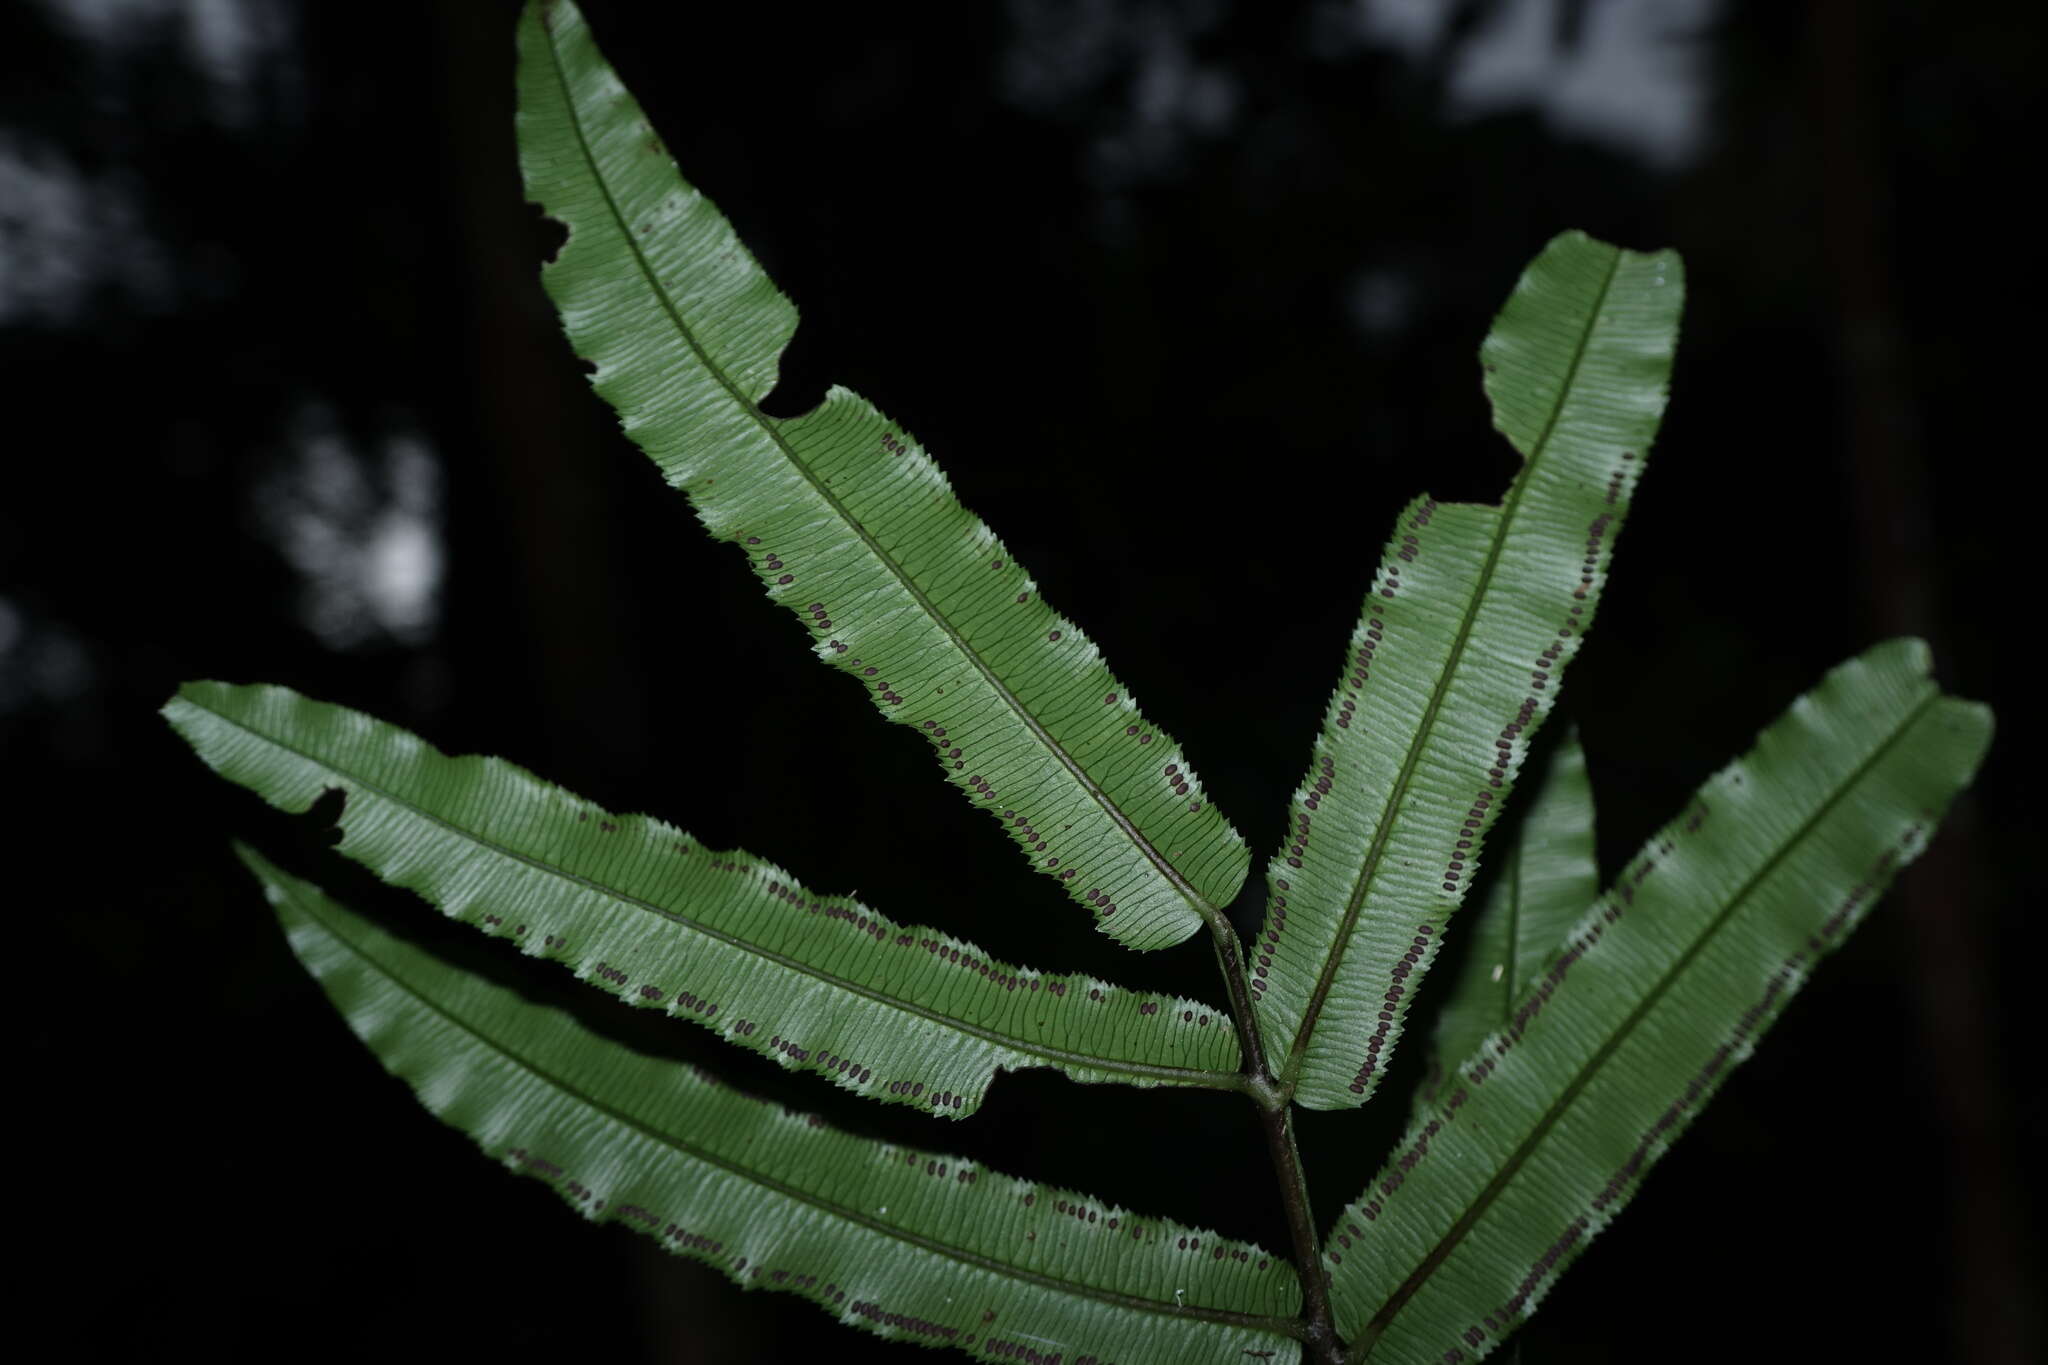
<point x="848" y="522"/>
<point x="725" y="940"/>
<point x="1545" y="881"/>
<point x="1457" y="658"/>
<point x="908" y="1244"/>
<point x="1665" y="985"/>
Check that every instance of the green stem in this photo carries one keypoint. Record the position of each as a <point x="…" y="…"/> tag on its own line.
<point x="1320" y="1343"/>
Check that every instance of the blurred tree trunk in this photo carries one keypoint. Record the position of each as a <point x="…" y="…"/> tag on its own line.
<point x="1991" y="1296"/>
<point x="541" y="444"/>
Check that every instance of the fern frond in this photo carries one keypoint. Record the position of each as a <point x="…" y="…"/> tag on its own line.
<point x="1456" y="660"/>
<point x="847" y="520"/>
<point x="1664" y="986"/>
<point x="1546" y="880"/>
<point x="909" y="1244"/>
<point x="725" y="940"/>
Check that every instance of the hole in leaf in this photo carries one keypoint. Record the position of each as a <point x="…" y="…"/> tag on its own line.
<point x="800" y="381"/>
<point x="550" y="235"/>
<point x="324" y="815"/>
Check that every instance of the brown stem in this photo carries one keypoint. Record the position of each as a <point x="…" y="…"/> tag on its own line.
<point x="1321" y="1345"/>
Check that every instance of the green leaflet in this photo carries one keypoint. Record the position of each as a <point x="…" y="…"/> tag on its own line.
<point x="1664" y="986"/>
<point x="1545" y="882"/>
<point x="1456" y="660"/>
<point x="907" y="1244"/>
<point x="848" y="522"/>
<point x="725" y="940"/>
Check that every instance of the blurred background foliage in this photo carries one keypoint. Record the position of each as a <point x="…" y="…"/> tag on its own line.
<point x="1186" y="298"/>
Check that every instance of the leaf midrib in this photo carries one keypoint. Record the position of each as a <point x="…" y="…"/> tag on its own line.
<point x="1374" y="854"/>
<point x="1158" y="1072"/>
<point x="1362" y="1346"/>
<point x="1280" y="1326"/>
<point x="1196" y="901"/>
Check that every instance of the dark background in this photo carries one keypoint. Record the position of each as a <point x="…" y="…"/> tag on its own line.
<point x="1186" y="299"/>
